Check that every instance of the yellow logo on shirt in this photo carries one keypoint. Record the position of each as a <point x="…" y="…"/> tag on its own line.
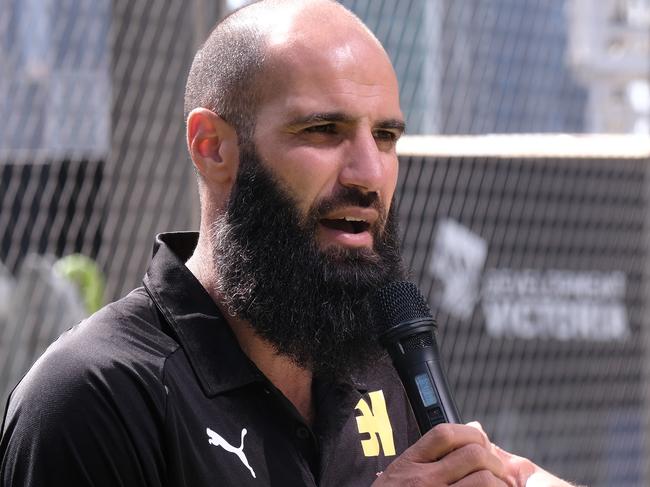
<point x="375" y="422"/>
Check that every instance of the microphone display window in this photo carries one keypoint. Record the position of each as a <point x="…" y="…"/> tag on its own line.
<point x="425" y="388"/>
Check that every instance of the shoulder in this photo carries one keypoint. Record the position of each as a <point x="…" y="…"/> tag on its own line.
<point x="118" y="352"/>
<point x="95" y="397"/>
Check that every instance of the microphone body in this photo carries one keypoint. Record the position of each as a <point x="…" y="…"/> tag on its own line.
<point x="409" y="337"/>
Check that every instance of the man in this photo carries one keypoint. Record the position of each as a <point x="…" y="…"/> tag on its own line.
<point x="248" y="357"/>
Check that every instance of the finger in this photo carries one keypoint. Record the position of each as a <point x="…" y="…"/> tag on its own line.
<point x="479" y="427"/>
<point x="498" y="452"/>
<point x="467" y="461"/>
<point x="480" y="479"/>
<point x="443" y="439"/>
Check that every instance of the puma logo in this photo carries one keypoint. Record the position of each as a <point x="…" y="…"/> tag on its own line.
<point x="217" y="440"/>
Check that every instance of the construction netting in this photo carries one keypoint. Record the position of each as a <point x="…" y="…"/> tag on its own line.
<point x="535" y="261"/>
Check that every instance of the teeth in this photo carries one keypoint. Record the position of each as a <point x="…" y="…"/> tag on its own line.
<point x="353" y="219"/>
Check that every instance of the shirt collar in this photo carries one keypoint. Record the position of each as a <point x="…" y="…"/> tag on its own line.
<point x="199" y="326"/>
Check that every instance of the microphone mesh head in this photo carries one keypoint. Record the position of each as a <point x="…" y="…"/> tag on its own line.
<point x="398" y="302"/>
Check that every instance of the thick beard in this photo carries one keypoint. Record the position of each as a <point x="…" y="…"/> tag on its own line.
<point x="311" y="305"/>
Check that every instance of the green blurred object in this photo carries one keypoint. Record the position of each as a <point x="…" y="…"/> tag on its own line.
<point x="85" y="273"/>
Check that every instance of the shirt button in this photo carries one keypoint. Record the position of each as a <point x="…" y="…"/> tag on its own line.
<point x="302" y="433"/>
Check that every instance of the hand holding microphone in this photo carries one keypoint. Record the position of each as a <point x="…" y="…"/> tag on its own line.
<point x="448" y="454"/>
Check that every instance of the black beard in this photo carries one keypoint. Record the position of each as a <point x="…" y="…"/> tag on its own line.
<point x="311" y="305"/>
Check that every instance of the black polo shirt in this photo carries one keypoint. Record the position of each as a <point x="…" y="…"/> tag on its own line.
<point x="153" y="390"/>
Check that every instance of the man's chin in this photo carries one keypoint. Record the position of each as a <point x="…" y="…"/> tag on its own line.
<point x="350" y="359"/>
<point x="337" y="254"/>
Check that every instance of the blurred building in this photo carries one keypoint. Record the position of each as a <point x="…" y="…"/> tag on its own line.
<point x="610" y="53"/>
<point x="55" y="135"/>
<point x="55" y="90"/>
<point x="480" y="66"/>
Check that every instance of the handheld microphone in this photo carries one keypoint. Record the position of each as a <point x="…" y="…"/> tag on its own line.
<point x="407" y="331"/>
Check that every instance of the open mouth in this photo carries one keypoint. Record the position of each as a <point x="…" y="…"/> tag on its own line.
<point x="347" y="224"/>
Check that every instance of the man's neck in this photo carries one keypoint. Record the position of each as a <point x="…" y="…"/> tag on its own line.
<point x="293" y="381"/>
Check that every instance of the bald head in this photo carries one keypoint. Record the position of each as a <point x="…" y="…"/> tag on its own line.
<point x="247" y="54"/>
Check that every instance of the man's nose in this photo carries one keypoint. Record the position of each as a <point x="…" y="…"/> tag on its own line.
<point x="363" y="167"/>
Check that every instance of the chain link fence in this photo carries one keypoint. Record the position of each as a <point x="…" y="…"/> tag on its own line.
<point x="536" y="262"/>
<point x="536" y="267"/>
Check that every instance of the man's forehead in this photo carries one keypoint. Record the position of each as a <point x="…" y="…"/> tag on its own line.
<point x="348" y="92"/>
<point x="318" y="49"/>
<point x="351" y="57"/>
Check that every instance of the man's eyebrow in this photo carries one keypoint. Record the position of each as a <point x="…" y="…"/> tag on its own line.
<point x="392" y="123"/>
<point x="320" y="117"/>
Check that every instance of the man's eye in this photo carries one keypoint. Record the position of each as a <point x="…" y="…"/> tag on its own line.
<point x="386" y="135"/>
<point x="325" y="128"/>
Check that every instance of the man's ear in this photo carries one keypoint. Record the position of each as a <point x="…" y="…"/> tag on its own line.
<point x="213" y="147"/>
